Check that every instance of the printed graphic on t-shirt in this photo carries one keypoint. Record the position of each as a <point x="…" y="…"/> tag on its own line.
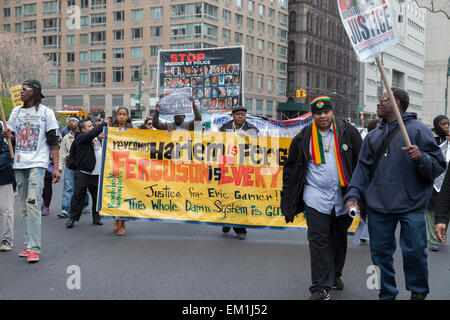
<point x="27" y="137"/>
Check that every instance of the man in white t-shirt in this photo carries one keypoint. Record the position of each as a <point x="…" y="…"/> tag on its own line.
<point x="33" y="128"/>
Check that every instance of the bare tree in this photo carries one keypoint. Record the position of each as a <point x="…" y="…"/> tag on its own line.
<point x="20" y="59"/>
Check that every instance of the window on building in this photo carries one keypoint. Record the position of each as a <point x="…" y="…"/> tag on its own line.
<point x="98" y="4"/>
<point x="260" y="62"/>
<point x="98" y="37"/>
<point x="260" y="45"/>
<point x="70" y="40"/>
<point x="156" y="31"/>
<point x="49" y="7"/>
<point x="259" y="81"/>
<point x="292" y="21"/>
<point x="261" y="28"/>
<point x="29" y="10"/>
<point x="259" y="107"/>
<point x="118" y="35"/>
<point x="269" y="83"/>
<point x="6" y="28"/>
<point x="226" y="34"/>
<point x="250" y="24"/>
<point x="136" y="52"/>
<point x="238" y="19"/>
<point x="261" y="10"/>
<point x="137" y="14"/>
<point x="135" y="73"/>
<point x="70" y="78"/>
<point x="226" y="16"/>
<point x="281" y="86"/>
<point x="84" y="56"/>
<point x="249" y="42"/>
<point x="29" y="26"/>
<point x="156" y="13"/>
<point x="98" y="76"/>
<point x="249" y="59"/>
<point x="18" y="12"/>
<point x="84" y="21"/>
<point x="249" y="80"/>
<point x="117" y="74"/>
<point x="98" y="19"/>
<point x="136" y="33"/>
<point x="84" y="38"/>
<point x="154" y="50"/>
<point x="51" y="24"/>
<point x="118" y="16"/>
<point x="118" y="53"/>
<point x="70" y="57"/>
<point x="98" y="56"/>
<point x="238" y="37"/>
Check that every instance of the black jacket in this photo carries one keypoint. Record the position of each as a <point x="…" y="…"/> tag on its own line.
<point x="296" y="166"/>
<point x="245" y="127"/>
<point x="85" y="155"/>
<point x="6" y="170"/>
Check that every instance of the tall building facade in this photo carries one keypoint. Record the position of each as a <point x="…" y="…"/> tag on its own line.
<point x="99" y="47"/>
<point x="403" y="63"/>
<point x="320" y="57"/>
<point x="437" y="67"/>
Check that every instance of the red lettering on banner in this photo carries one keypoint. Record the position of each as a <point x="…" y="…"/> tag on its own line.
<point x="117" y="163"/>
<point x="157" y="170"/>
<point x="130" y="166"/>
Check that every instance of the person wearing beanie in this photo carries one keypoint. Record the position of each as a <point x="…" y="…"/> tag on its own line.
<point x="396" y="184"/>
<point x="440" y="129"/>
<point x="442" y="137"/>
<point x="320" y="164"/>
<point x="35" y="130"/>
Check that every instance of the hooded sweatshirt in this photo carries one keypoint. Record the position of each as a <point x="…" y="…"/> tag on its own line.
<point x="399" y="185"/>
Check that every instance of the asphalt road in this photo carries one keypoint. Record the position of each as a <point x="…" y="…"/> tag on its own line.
<point x="173" y="261"/>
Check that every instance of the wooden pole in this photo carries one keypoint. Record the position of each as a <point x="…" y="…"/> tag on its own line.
<point x="5" y="127"/>
<point x="391" y="96"/>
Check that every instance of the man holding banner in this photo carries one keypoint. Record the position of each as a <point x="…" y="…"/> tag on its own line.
<point x="397" y="182"/>
<point x="320" y="163"/>
<point x="179" y="123"/>
<point x="239" y="125"/>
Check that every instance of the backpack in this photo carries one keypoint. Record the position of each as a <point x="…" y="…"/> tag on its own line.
<point x="71" y="159"/>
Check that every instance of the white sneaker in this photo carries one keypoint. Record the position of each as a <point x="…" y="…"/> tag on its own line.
<point x="63" y="214"/>
<point x="6" y="245"/>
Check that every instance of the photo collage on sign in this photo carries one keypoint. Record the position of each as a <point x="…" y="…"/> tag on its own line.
<point x="213" y="86"/>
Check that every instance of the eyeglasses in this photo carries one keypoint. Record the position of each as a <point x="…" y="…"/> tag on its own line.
<point x="26" y="89"/>
<point x="382" y="100"/>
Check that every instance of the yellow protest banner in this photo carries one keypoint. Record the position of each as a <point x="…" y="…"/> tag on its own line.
<point x="15" y="96"/>
<point x="182" y="176"/>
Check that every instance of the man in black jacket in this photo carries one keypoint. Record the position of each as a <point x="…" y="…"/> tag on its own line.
<point x="239" y="125"/>
<point x="6" y="195"/>
<point x="320" y="163"/>
<point x="89" y="160"/>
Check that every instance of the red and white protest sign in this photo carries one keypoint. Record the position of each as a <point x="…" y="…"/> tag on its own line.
<point x="369" y="25"/>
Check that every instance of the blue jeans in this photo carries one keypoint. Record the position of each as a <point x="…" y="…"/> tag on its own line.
<point x="69" y="185"/>
<point x="30" y="184"/>
<point x="413" y="242"/>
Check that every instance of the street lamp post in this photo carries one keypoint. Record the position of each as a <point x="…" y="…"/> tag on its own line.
<point x="138" y="112"/>
<point x="446" y="87"/>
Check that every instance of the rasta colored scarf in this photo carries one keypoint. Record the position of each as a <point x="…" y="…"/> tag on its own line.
<point x="317" y="150"/>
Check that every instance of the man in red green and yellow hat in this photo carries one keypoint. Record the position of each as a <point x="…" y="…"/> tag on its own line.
<point x="320" y="164"/>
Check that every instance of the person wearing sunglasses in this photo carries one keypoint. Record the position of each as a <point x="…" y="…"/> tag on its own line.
<point x="397" y="182"/>
<point x="34" y="129"/>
